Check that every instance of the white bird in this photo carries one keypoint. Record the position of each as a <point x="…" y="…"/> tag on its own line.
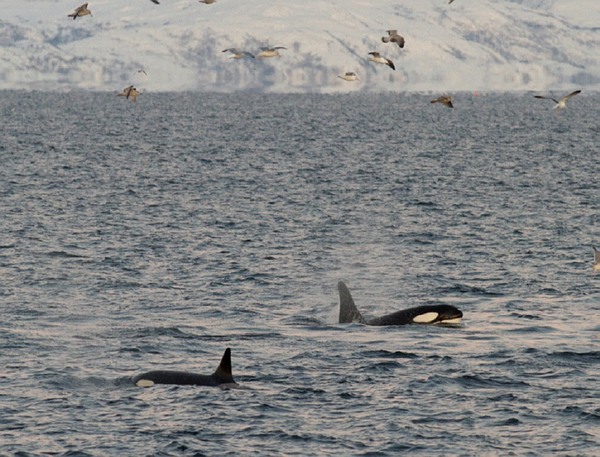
<point x="596" y="258"/>
<point x="80" y="11"/>
<point x="378" y="58"/>
<point x="270" y="52"/>
<point x="561" y="103"/>
<point x="237" y="54"/>
<point x="393" y="37"/>
<point x="349" y="76"/>
<point x="130" y="92"/>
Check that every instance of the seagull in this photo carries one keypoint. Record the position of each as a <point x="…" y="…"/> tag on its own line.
<point x="596" y="259"/>
<point x="141" y="70"/>
<point x="560" y="104"/>
<point x="349" y="76"/>
<point x="207" y="2"/>
<point x="130" y="92"/>
<point x="378" y="58"/>
<point x="237" y="54"/>
<point x="393" y="37"/>
<point x="444" y="100"/>
<point x="155" y="2"/>
<point x="80" y="11"/>
<point x="270" y="52"/>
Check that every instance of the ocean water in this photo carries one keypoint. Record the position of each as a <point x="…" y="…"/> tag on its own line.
<point x="153" y="235"/>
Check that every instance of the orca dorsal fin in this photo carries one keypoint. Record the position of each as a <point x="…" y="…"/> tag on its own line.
<point x="223" y="371"/>
<point x="348" y="310"/>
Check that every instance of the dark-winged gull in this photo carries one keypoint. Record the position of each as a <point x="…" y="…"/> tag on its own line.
<point x="349" y="76"/>
<point x="562" y="102"/>
<point x="270" y="52"/>
<point x="378" y="58"/>
<point x="393" y="37"/>
<point x="596" y="258"/>
<point x="207" y="2"/>
<point x="80" y="11"/>
<point x="130" y="92"/>
<point x="444" y="100"/>
<point x="237" y="54"/>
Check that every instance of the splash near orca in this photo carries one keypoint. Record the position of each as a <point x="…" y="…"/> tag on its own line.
<point x="222" y="376"/>
<point x="429" y="314"/>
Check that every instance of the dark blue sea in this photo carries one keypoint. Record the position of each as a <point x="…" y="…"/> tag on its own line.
<point x="153" y="235"/>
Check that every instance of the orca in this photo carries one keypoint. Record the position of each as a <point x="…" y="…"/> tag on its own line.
<point x="428" y="314"/>
<point x="222" y="376"/>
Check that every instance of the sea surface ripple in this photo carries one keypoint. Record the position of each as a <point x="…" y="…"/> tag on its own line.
<point x="138" y="236"/>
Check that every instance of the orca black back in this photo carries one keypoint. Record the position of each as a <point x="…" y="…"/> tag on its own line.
<point x="428" y="314"/>
<point x="221" y="376"/>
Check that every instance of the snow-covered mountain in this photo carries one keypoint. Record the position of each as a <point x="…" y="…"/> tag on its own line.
<point x="467" y="45"/>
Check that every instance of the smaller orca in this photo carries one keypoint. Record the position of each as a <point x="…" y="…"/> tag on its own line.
<point x="221" y="377"/>
<point x="429" y="314"/>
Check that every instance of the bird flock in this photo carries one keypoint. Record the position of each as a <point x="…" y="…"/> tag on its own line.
<point x="131" y="93"/>
<point x="392" y="36"/>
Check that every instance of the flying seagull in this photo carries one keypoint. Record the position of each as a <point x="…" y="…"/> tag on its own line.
<point x="378" y="58"/>
<point x="393" y="37"/>
<point x="444" y="100"/>
<point x="130" y="92"/>
<point x="270" y="52"/>
<point x="237" y="54"/>
<point x="596" y="258"/>
<point x="80" y="11"/>
<point x="155" y="2"/>
<point x="561" y="103"/>
<point x="207" y="2"/>
<point x="349" y="76"/>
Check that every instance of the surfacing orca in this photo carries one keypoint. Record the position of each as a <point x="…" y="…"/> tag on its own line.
<point x="429" y="314"/>
<point x="222" y="377"/>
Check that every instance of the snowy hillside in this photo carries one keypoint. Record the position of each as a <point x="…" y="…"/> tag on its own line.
<point x="467" y="45"/>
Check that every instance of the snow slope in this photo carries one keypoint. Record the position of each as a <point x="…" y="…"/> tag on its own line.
<point x="468" y="45"/>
